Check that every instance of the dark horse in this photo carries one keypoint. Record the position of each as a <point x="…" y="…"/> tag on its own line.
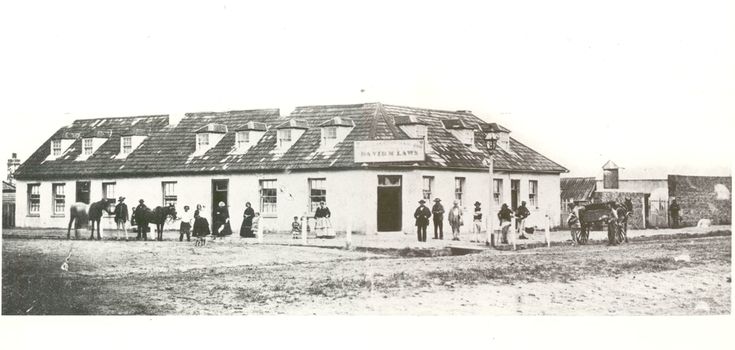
<point x="82" y="214"/>
<point x="157" y="216"/>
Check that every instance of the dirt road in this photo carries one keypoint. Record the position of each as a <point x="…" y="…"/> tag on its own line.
<point x="659" y="277"/>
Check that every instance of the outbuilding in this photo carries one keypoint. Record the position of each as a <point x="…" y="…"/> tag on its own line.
<point x="371" y="163"/>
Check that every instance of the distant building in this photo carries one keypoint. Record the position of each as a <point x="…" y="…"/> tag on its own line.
<point x="701" y="197"/>
<point x="9" y="193"/>
<point x="370" y="162"/>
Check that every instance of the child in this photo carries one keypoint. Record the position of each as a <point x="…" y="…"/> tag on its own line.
<point x="477" y="222"/>
<point x="295" y="228"/>
<point x="256" y="224"/>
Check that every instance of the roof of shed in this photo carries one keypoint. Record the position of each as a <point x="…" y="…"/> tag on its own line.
<point x="169" y="149"/>
<point x="577" y="188"/>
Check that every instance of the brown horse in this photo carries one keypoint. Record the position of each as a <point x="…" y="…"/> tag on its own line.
<point x="82" y="214"/>
<point x="157" y="216"/>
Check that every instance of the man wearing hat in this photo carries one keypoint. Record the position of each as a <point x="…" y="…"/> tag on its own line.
<point x="121" y="215"/>
<point x="521" y="214"/>
<point x="476" y="222"/>
<point x="141" y="220"/>
<point x="438" y="211"/>
<point x="422" y="215"/>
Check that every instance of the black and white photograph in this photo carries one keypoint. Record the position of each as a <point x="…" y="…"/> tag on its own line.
<point x="540" y="162"/>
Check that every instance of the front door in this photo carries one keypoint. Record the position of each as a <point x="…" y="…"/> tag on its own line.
<point x="514" y="193"/>
<point x="219" y="194"/>
<point x="82" y="192"/>
<point x="389" y="203"/>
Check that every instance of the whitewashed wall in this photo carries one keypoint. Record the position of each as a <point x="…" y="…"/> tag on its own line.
<point x="351" y="196"/>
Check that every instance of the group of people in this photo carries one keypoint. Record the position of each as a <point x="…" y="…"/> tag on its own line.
<point x="455" y="218"/>
<point x="195" y="224"/>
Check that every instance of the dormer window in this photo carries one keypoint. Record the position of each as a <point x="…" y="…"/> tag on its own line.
<point x="202" y="141"/>
<point x="247" y="136"/>
<point x="208" y="136"/>
<point x="334" y="131"/>
<point x="56" y="148"/>
<point x="127" y="144"/>
<point x="412" y="126"/>
<point x="87" y="147"/>
<point x="460" y="130"/>
<point x="284" y="137"/>
<point x="242" y="138"/>
<point x="290" y="132"/>
<point x="502" y="133"/>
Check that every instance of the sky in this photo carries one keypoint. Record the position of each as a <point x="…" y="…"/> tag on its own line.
<point x="647" y="84"/>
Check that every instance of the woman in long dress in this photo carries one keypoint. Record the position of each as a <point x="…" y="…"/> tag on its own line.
<point x="201" y="225"/>
<point x="222" y="221"/>
<point x="323" y="222"/>
<point x="246" y="229"/>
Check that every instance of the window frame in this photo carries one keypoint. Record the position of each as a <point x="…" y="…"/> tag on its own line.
<point x="427" y="193"/>
<point x="87" y="146"/>
<point x="169" y="197"/>
<point x="242" y="139"/>
<point x="202" y="141"/>
<point x="281" y="137"/>
<point x="314" y="199"/>
<point x="271" y="208"/>
<point x="126" y="149"/>
<point x="56" y="148"/>
<point x="533" y="193"/>
<point x="329" y="133"/>
<point x="458" y="195"/>
<point x="498" y="195"/>
<point x="34" y="197"/>
<point x="58" y="198"/>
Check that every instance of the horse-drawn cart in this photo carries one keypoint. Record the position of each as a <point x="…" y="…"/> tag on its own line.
<point x="610" y="214"/>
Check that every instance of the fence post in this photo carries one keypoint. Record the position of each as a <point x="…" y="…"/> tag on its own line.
<point x="513" y="235"/>
<point x="548" y="230"/>
<point x="304" y="223"/>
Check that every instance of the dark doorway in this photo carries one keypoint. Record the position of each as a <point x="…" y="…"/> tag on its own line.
<point x="389" y="203"/>
<point x="514" y="192"/>
<point x="219" y="194"/>
<point x="82" y="192"/>
<point x="646" y="211"/>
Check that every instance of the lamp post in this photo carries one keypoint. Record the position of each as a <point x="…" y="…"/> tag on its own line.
<point x="491" y="140"/>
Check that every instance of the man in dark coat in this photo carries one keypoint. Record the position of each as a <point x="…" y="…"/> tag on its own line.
<point x="139" y="215"/>
<point x="422" y="215"/>
<point x="438" y="214"/>
<point x="521" y="214"/>
<point x="121" y="215"/>
<point x="674" y="210"/>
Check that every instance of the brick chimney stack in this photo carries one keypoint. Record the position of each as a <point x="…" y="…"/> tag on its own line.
<point x="610" y="175"/>
<point x="13" y="164"/>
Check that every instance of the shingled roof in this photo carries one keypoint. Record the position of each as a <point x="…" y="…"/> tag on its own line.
<point x="577" y="188"/>
<point x="8" y="187"/>
<point x="169" y="149"/>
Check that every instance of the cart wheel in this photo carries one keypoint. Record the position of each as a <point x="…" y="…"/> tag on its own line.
<point x="584" y="234"/>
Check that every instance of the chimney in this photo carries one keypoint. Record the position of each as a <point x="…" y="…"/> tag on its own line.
<point x="610" y="175"/>
<point x="13" y="164"/>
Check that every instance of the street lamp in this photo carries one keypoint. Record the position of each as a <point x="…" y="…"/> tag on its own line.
<point x="491" y="141"/>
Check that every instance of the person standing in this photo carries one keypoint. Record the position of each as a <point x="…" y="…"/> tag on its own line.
<point x="438" y="215"/>
<point x="323" y="224"/>
<point x="674" y="210"/>
<point x="246" y="229"/>
<point x="422" y="215"/>
<point x="505" y="215"/>
<point x="477" y="222"/>
<point x="187" y="218"/>
<point x="141" y="219"/>
<point x="521" y="214"/>
<point x="201" y="225"/>
<point x="221" y="221"/>
<point x="121" y="215"/>
<point x="455" y="220"/>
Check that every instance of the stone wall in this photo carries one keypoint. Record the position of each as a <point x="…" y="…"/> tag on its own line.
<point x="702" y="197"/>
<point x="636" y="221"/>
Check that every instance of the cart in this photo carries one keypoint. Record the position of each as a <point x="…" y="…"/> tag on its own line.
<point x="610" y="214"/>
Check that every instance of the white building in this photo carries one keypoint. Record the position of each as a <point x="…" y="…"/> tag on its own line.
<point x="370" y="162"/>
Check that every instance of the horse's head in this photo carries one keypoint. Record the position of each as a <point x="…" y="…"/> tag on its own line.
<point x="171" y="211"/>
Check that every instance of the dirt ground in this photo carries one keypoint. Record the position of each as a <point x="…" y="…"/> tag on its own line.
<point x="663" y="276"/>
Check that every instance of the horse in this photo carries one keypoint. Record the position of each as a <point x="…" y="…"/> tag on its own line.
<point x="158" y="216"/>
<point x="81" y="214"/>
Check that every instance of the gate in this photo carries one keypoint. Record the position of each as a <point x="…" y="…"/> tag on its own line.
<point x="658" y="213"/>
<point x="8" y="215"/>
